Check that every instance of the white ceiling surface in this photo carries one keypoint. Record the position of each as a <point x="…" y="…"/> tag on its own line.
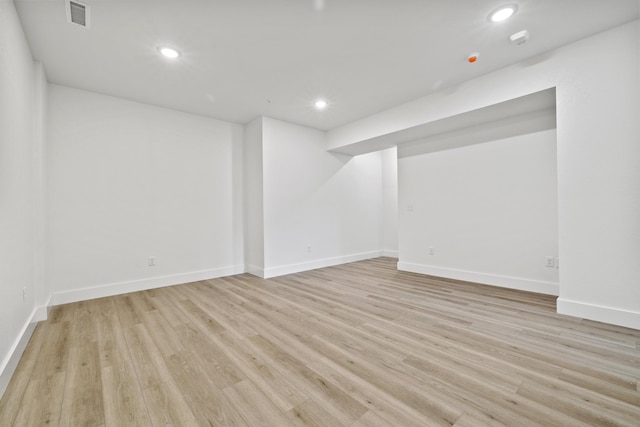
<point x="245" y="58"/>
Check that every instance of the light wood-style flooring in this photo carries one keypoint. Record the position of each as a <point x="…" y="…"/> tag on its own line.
<point x="354" y="345"/>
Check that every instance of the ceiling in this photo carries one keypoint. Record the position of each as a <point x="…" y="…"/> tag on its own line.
<point x="245" y="58"/>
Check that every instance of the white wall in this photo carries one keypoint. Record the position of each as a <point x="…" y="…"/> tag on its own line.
<point x="253" y="198"/>
<point x="599" y="178"/>
<point x="389" y="232"/>
<point x="489" y="211"/>
<point x="319" y="209"/>
<point x="42" y="290"/>
<point x="127" y="181"/>
<point x="598" y="134"/>
<point x="20" y="148"/>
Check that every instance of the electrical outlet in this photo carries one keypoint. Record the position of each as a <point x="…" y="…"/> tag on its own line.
<point x="24" y="294"/>
<point x="152" y="261"/>
<point x="550" y="261"/>
<point x="432" y="251"/>
<point x="308" y="248"/>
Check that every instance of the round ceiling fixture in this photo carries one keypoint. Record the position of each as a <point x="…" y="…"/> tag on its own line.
<point x="169" y="52"/>
<point x="321" y="104"/>
<point x="502" y="13"/>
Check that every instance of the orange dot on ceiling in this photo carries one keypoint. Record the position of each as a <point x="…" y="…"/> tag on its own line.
<point x="472" y="58"/>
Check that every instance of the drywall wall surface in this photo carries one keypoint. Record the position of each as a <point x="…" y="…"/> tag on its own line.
<point x="485" y="212"/>
<point x="598" y="134"/>
<point x="137" y="196"/>
<point x="599" y="178"/>
<point x="237" y="198"/>
<point x="253" y="198"/>
<point x="389" y="232"/>
<point x="17" y="205"/>
<point x="42" y="291"/>
<point x="319" y="208"/>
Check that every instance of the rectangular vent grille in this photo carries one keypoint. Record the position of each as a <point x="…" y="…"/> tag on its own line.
<point x="78" y="13"/>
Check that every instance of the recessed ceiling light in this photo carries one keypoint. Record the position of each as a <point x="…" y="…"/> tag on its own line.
<point x="321" y="104"/>
<point x="503" y="13"/>
<point x="169" y="52"/>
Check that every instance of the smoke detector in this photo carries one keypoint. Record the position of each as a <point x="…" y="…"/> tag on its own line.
<point x="521" y="37"/>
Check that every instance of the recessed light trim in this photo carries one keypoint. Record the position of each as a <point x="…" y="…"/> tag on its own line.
<point x="503" y="13"/>
<point x="321" y="104"/>
<point x="168" y="52"/>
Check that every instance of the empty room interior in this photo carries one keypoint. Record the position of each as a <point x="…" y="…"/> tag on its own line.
<point x="320" y="213"/>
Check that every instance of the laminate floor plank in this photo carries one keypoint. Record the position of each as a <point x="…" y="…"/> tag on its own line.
<point x="440" y="359"/>
<point x="61" y="313"/>
<point x="254" y="407"/>
<point x="112" y="345"/>
<point x="54" y="352"/>
<point x="10" y="407"/>
<point x="524" y="350"/>
<point x="166" y="305"/>
<point x="82" y="404"/>
<point x="143" y="301"/>
<point x="377" y="400"/>
<point x="231" y="309"/>
<point x="206" y="401"/>
<point x="127" y="310"/>
<point x="147" y="360"/>
<point x="164" y="336"/>
<point x="310" y="414"/>
<point x="284" y="394"/>
<point x="45" y="391"/>
<point x="214" y="362"/>
<point x="84" y="328"/>
<point x="344" y="407"/>
<point x="167" y="406"/>
<point x="121" y="396"/>
<point x="598" y="412"/>
<point x="586" y="382"/>
<point x="359" y="344"/>
<point x="389" y="376"/>
<point x="200" y="318"/>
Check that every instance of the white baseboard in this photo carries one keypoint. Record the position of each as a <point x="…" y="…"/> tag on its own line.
<point x="319" y="263"/>
<point x="83" y="294"/>
<point x="613" y="316"/>
<point x="10" y="362"/>
<point x="256" y="271"/>
<point x="529" y="285"/>
<point x="42" y="313"/>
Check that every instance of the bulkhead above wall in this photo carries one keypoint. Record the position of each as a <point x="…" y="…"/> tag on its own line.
<point x="518" y="116"/>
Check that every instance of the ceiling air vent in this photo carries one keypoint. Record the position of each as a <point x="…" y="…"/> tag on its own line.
<point x="77" y="13"/>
